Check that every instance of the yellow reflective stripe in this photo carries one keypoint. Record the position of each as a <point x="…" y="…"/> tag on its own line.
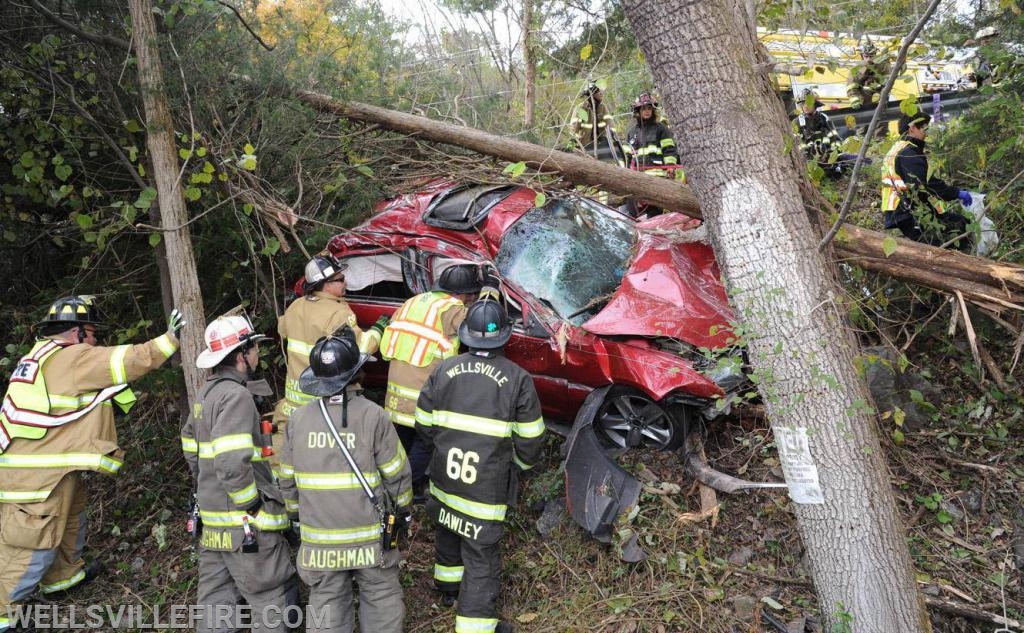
<point x="529" y="429"/>
<point x="23" y="496"/>
<point x="424" y="418"/>
<point x="485" y="511"/>
<point x="228" y="443"/>
<point x="291" y="505"/>
<point x="369" y="340"/>
<point x="404" y="498"/>
<point x="401" y="418"/>
<point x="472" y="424"/>
<point x="63" y="584"/>
<point x="320" y="536"/>
<point x="71" y="402"/>
<point x="668" y="142"/>
<point x="165" y="345"/>
<point x="333" y="481"/>
<point x="671" y="160"/>
<point x="299" y="347"/>
<point x="262" y="521"/>
<point x="287" y="470"/>
<point x="403" y="392"/>
<point x="271" y="522"/>
<point x="296" y="396"/>
<point x="189" y="444"/>
<point x="465" y="624"/>
<point x="244" y="495"/>
<point x="394" y="465"/>
<point x="523" y="465"/>
<point x="118" y="373"/>
<point x="76" y="460"/>
<point x="448" y="574"/>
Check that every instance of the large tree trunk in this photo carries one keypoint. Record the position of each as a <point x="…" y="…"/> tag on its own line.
<point x="174" y="217"/>
<point x="529" y="62"/>
<point x="704" y="59"/>
<point x="994" y="285"/>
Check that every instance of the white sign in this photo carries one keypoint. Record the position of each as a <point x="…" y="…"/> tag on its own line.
<point x="798" y="466"/>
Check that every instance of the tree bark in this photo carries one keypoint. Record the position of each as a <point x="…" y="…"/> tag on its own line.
<point x="704" y="58"/>
<point x="529" y="62"/>
<point x="173" y="214"/>
<point x="980" y="280"/>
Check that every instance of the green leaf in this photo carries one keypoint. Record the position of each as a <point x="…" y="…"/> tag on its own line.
<point x="63" y="172"/>
<point x="192" y="194"/>
<point x="365" y="170"/>
<point x="84" y="220"/>
<point x="916" y="396"/>
<point x="201" y="178"/>
<point x="184" y="153"/>
<point x="142" y="170"/>
<point x="27" y="159"/>
<point x="272" y="246"/>
<point x="602" y="84"/>
<point x="897" y="437"/>
<point x="889" y="245"/>
<point x="208" y="167"/>
<point x="247" y="162"/>
<point x="909" y="106"/>
<point x="247" y="208"/>
<point x="540" y="199"/>
<point x="586" y="51"/>
<point x="515" y="169"/>
<point x="943" y="517"/>
<point x="132" y="125"/>
<point x="200" y="152"/>
<point x="154" y="239"/>
<point x="249" y="149"/>
<point x="129" y="214"/>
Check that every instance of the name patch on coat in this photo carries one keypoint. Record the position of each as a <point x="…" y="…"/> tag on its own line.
<point x="217" y="540"/>
<point x="457" y="524"/>
<point x="490" y="371"/>
<point x="332" y="559"/>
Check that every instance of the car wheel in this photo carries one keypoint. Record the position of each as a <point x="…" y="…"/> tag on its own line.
<point x="629" y="418"/>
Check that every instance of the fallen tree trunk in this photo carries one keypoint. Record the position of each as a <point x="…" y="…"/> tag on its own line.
<point x="993" y="285"/>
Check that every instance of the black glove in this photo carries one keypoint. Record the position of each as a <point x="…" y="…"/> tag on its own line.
<point x="381" y="323"/>
<point x="254" y="509"/>
<point x="294" y="533"/>
<point x="404" y="521"/>
<point x="175" y="322"/>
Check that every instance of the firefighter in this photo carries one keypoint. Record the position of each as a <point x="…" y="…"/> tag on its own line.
<point x="868" y="78"/>
<point x="243" y="553"/>
<point x="819" y="139"/>
<point x="480" y="415"/>
<point x="422" y="333"/>
<point x="320" y="311"/>
<point x="593" y="128"/>
<point x="341" y="530"/>
<point x="649" y="142"/>
<point x="57" y="420"/>
<point x="914" y="201"/>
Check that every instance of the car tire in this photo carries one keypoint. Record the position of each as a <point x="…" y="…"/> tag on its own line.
<point x="656" y="426"/>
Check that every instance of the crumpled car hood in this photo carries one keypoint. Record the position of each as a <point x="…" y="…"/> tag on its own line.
<point x="673" y="288"/>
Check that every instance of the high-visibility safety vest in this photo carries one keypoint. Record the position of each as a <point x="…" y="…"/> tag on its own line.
<point x="29" y="410"/>
<point x="893" y="187"/>
<point x="415" y="334"/>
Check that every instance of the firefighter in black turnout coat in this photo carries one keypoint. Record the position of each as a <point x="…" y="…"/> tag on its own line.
<point x="480" y="415"/>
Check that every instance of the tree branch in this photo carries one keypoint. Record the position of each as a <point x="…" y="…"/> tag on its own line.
<point x="107" y="40"/>
<point x="883" y="101"/>
<point x="246" y="25"/>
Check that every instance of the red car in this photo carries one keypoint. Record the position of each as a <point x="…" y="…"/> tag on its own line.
<point x="598" y="300"/>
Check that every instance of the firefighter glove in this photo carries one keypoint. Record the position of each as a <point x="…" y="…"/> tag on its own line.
<point x="965" y="197"/>
<point x="176" y="322"/>
<point x="404" y="521"/>
<point x="381" y="323"/>
<point x="294" y="534"/>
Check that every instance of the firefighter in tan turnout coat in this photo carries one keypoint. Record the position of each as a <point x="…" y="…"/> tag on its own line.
<point x="321" y="311"/>
<point x="243" y="552"/>
<point x="57" y="420"/>
<point x="422" y="333"/>
<point x="341" y="527"/>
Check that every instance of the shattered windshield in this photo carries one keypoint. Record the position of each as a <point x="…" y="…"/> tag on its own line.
<point x="571" y="254"/>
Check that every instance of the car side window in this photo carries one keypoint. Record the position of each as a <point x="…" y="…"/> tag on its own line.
<point x="376" y="277"/>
